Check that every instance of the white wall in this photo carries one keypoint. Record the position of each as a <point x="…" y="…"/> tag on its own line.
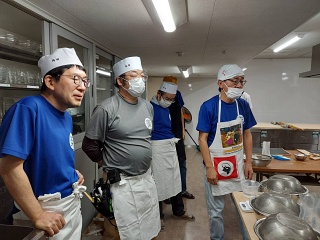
<point x="294" y="100"/>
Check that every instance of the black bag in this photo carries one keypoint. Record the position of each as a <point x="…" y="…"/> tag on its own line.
<point x="101" y="199"/>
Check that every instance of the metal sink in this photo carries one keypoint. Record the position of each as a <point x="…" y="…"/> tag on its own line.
<point x="11" y="232"/>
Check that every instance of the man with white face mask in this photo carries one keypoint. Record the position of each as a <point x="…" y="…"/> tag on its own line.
<point x="224" y="135"/>
<point x="165" y="164"/>
<point x="119" y="137"/>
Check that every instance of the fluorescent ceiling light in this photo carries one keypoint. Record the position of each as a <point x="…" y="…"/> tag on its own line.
<point x="102" y="72"/>
<point x="286" y="44"/>
<point x="185" y="73"/>
<point x="186" y="70"/>
<point x="163" y="9"/>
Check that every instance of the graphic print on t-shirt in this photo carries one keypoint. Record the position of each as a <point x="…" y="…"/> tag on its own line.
<point x="71" y="142"/>
<point x="231" y="136"/>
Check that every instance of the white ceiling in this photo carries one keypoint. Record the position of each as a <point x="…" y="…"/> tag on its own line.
<point x="245" y="29"/>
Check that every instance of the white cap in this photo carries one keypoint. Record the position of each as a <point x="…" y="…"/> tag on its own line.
<point x="127" y="64"/>
<point x="60" y="57"/>
<point x="169" y="87"/>
<point x="229" y="71"/>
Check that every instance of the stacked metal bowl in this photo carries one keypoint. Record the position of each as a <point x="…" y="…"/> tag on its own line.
<point x="273" y="203"/>
<point x="284" y="184"/>
<point x="259" y="160"/>
<point x="284" y="226"/>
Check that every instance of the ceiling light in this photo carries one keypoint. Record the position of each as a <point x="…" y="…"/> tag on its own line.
<point x="190" y="85"/>
<point x="185" y="73"/>
<point x="185" y="70"/>
<point x="243" y="69"/>
<point x="165" y="15"/>
<point x="288" y="43"/>
<point x="103" y="72"/>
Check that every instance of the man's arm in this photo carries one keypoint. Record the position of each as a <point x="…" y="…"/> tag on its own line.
<point x="93" y="149"/>
<point x="18" y="184"/>
<point x="247" y="143"/>
<point x="212" y="176"/>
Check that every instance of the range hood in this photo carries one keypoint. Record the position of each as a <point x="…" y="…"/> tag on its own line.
<point x="315" y="64"/>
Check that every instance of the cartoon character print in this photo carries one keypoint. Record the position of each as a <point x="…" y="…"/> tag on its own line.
<point x="231" y="136"/>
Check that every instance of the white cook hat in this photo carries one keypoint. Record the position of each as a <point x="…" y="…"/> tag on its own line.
<point x="60" y="57"/>
<point x="229" y="71"/>
<point x="125" y="65"/>
<point x="169" y="87"/>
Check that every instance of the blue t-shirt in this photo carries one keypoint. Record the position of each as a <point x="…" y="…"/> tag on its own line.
<point x="161" y="123"/>
<point x="36" y="132"/>
<point x="208" y="115"/>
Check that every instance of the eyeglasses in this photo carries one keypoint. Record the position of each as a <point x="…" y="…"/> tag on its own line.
<point x="168" y="99"/>
<point x="78" y="80"/>
<point x="133" y="75"/>
<point x="236" y="81"/>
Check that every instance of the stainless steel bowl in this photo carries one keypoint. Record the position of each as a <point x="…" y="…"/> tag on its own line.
<point x="259" y="160"/>
<point x="300" y="156"/>
<point x="284" y="226"/>
<point x="283" y="184"/>
<point x="273" y="203"/>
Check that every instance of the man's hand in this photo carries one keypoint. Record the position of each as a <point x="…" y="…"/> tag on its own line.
<point x="212" y="176"/>
<point x="51" y="222"/>
<point x="248" y="172"/>
<point x="80" y="178"/>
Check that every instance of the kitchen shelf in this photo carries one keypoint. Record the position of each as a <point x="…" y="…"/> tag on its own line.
<point x="18" y="53"/>
<point x="19" y="86"/>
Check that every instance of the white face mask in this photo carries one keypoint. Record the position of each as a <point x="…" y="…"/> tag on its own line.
<point x="163" y="103"/>
<point x="136" y="87"/>
<point x="233" y="93"/>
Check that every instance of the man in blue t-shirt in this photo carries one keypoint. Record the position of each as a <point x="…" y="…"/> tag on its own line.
<point x="224" y="136"/>
<point x="177" y="127"/>
<point x="37" y="149"/>
<point x="165" y="165"/>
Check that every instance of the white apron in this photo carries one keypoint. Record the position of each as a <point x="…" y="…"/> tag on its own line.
<point x="226" y="152"/>
<point x="165" y="168"/>
<point x="69" y="207"/>
<point x="135" y="206"/>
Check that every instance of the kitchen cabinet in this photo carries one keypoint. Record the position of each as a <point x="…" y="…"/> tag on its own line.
<point x="104" y="83"/>
<point x="287" y="138"/>
<point x="20" y="49"/>
<point x="24" y="38"/>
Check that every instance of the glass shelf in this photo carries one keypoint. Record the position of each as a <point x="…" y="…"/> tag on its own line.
<point x="22" y="86"/>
